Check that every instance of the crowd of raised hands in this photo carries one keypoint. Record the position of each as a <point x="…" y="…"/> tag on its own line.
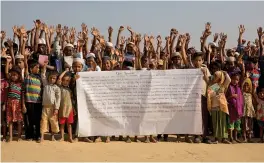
<point x="46" y="51"/>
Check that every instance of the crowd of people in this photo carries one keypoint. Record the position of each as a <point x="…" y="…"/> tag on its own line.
<point x="39" y="73"/>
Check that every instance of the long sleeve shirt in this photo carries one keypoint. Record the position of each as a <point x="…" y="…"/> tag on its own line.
<point x="51" y="93"/>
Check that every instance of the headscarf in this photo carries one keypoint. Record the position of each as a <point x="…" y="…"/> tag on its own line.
<point x="220" y="75"/>
<point x="247" y="80"/>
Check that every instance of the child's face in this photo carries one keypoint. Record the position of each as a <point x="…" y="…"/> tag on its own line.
<point x="20" y="63"/>
<point x="52" y="79"/>
<point x="66" y="81"/>
<point x="90" y="61"/>
<point x="261" y="94"/>
<point x="246" y="88"/>
<point x="235" y="80"/>
<point x="35" y="69"/>
<point x="77" y="67"/>
<point x="198" y="61"/>
<point x="14" y="76"/>
<point x="107" y="65"/>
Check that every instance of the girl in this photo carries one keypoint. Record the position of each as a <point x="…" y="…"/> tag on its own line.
<point x="260" y="112"/>
<point x="51" y="104"/>
<point x="66" y="108"/>
<point x="235" y="106"/>
<point x="15" y="102"/>
<point x="249" y="112"/>
<point x="217" y="104"/>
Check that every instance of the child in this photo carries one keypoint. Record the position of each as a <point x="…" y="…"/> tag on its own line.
<point x="90" y="63"/>
<point x="260" y="112"/>
<point x="217" y="104"/>
<point x="249" y="112"/>
<point x="66" y="108"/>
<point x="33" y="86"/>
<point x="4" y="90"/>
<point x="198" y="60"/>
<point x="51" y="104"/>
<point x="235" y="107"/>
<point x="77" y="66"/>
<point x="15" y="102"/>
<point x="19" y="60"/>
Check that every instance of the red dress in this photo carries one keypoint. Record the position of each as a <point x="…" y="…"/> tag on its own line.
<point x="14" y="108"/>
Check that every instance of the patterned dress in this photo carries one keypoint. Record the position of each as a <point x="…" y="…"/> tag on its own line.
<point x="14" y="111"/>
<point x="260" y="110"/>
<point x="248" y="106"/>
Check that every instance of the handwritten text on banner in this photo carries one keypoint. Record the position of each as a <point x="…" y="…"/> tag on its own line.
<point x="139" y="102"/>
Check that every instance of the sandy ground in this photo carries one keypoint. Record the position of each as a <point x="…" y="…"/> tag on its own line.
<point x="25" y="151"/>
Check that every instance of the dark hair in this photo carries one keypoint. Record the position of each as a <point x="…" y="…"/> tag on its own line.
<point x="253" y="59"/>
<point x="198" y="54"/>
<point x="259" y="89"/>
<point x="216" y="64"/>
<point x="67" y="75"/>
<point x="17" y="70"/>
<point x="53" y="73"/>
<point x="32" y="63"/>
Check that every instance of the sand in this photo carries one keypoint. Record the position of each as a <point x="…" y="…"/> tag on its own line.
<point x="123" y="152"/>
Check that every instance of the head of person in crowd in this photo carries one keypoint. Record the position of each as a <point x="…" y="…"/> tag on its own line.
<point x="162" y="55"/>
<point x="152" y="64"/>
<point x="52" y="77"/>
<point x="109" y="48"/>
<point x="144" y="61"/>
<point x="230" y="52"/>
<point x="33" y="66"/>
<point x="230" y="62"/>
<point x="15" y="48"/>
<point x="218" y="77"/>
<point x="90" y="59"/>
<point x="252" y="63"/>
<point x="3" y="65"/>
<point x="215" y="66"/>
<point x="42" y="48"/>
<point x="191" y="51"/>
<point x="130" y="48"/>
<point x="77" y="65"/>
<point x="19" y="61"/>
<point x="75" y="47"/>
<point x="15" y="74"/>
<point x="247" y="86"/>
<point x="176" y="59"/>
<point x="260" y="93"/>
<point x="198" y="59"/>
<point x="56" y="48"/>
<point x="214" y="48"/>
<point x="235" y="77"/>
<point x="68" y="50"/>
<point x="66" y="80"/>
<point x="107" y="64"/>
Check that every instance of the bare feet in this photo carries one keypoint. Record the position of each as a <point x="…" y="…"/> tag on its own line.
<point x="19" y="139"/>
<point x="147" y="140"/>
<point x="137" y="140"/>
<point x="153" y="140"/>
<point x="87" y="140"/>
<point x="40" y="140"/>
<point x="98" y="139"/>
<point x="107" y="139"/>
<point x="128" y="140"/>
<point x="225" y="141"/>
<point x="188" y="140"/>
<point x="238" y="141"/>
<point x="61" y="139"/>
<point x="53" y="138"/>
<point x="71" y="141"/>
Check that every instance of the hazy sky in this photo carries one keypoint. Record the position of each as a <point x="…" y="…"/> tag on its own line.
<point x="144" y="17"/>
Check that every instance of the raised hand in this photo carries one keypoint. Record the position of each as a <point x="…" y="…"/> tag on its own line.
<point x="146" y="38"/>
<point x="58" y="29"/>
<point x="151" y="39"/>
<point x="260" y="32"/>
<point x="122" y="40"/>
<point x="51" y="29"/>
<point x="45" y="28"/>
<point x="94" y="32"/>
<point x="208" y="27"/>
<point x="183" y="39"/>
<point x="121" y="28"/>
<point x="66" y="30"/>
<point x="110" y="30"/>
<point x="174" y="31"/>
<point x="15" y="30"/>
<point x="188" y="37"/>
<point x="3" y="35"/>
<point x="215" y="37"/>
<point x="37" y="24"/>
<point x="80" y="36"/>
<point x="138" y="37"/>
<point x="10" y="42"/>
<point x="129" y="29"/>
<point x="159" y="40"/>
<point x="3" y="53"/>
<point x="241" y="29"/>
<point x="22" y="31"/>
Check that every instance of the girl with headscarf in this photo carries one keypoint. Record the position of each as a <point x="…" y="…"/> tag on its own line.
<point x="249" y="112"/>
<point x="217" y="105"/>
<point x="235" y="106"/>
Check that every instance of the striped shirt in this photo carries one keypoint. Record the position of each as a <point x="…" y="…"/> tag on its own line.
<point x="15" y="90"/>
<point x="255" y="74"/>
<point x="33" y="88"/>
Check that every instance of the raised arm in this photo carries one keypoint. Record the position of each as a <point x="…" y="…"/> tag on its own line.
<point x="10" y="44"/>
<point x="121" y="28"/>
<point x="3" y="35"/>
<point x="159" y="42"/>
<point x="85" y="38"/>
<point x="260" y="34"/>
<point x="183" y="52"/>
<point x="47" y="37"/>
<point x="95" y="33"/>
<point x="37" y="26"/>
<point x="173" y="35"/>
<point x="110" y="32"/>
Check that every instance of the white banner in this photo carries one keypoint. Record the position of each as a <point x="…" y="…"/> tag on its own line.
<point x="139" y="102"/>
